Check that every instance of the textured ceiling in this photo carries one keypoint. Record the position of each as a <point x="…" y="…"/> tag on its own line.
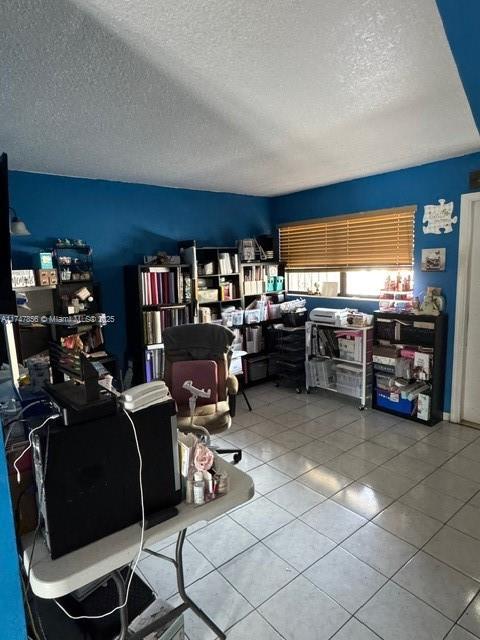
<point x="248" y="96"/>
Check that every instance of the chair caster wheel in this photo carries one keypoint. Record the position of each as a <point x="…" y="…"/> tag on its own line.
<point x="237" y="457"/>
<point x="298" y="389"/>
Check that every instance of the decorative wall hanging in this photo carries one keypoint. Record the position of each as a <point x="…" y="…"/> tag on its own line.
<point x="433" y="259"/>
<point x="439" y="216"/>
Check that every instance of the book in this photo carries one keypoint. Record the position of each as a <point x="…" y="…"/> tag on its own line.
<point x="421" y="363"/>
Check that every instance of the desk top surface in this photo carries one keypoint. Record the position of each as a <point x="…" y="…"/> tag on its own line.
<point x="56" y="578"/>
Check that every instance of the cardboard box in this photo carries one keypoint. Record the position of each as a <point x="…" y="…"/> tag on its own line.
<point x="46" y="277"/>
<point x="208" y="295"/>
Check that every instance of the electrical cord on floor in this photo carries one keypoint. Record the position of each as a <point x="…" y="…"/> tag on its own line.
<point x="140" y="548"/>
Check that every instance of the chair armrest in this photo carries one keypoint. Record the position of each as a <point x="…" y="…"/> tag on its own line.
<point x="232" y="385"/>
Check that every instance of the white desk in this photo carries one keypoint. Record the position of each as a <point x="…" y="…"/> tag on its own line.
<point x="55" y="578"/>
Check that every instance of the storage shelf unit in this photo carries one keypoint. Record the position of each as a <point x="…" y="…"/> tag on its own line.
<point x="422" y="333"/>
<point x="325" y="369"/>
<point x="287" y="355"/>
<point x="148" y="287"/>
<point x="214" y="267"/>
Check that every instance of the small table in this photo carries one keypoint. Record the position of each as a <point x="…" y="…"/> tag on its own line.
<point x="56" y="578"/>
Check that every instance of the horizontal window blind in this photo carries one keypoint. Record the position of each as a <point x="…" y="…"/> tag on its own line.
<point x="378" y="239"/>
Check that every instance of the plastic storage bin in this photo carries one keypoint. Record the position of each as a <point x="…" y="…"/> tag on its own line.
<point x="271" y="283"/>
<point x="257" y="368"/>
<point x="320" y="373"/>
<point x="349" y="382"/>
<point x="293" y="319"/>
<point x="387" y="401"/>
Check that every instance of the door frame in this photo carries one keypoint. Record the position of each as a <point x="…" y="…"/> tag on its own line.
<point x="467" y="205"/>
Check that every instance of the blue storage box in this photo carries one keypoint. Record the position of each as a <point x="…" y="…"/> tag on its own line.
<point x="43" y="260"/>
<point x="271" y="284"/>
<point x="279" y="283"/>
<point x="406" y="407"/>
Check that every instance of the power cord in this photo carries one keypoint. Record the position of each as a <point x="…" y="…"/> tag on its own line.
<point x="134" y="567"/>
<point x="19" y="475"/>
<point x="11" y="423"/>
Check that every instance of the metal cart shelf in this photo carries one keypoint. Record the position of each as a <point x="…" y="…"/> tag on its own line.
<point x="349" y="375"/>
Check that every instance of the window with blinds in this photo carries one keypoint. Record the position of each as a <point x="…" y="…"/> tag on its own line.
<point x="375" y="240"/>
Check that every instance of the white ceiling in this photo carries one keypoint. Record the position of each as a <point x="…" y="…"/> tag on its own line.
<point x="248" y="96"/>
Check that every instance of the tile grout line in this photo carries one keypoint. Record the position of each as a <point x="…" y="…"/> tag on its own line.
<point x="295" y="517"/>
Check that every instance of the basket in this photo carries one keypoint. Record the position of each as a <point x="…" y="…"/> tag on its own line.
<point x="293" y="319"/>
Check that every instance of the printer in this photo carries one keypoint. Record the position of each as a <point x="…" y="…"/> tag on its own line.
<point x="334" y="317"/>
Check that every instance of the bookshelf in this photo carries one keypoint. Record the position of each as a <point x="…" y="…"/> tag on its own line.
<point x="409" y="365"/>
<point x="156" y="297"/>
<point x="216" y="284"/>
<point x="259" y="278"/>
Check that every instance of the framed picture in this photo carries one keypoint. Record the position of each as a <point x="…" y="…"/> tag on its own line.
<point x="434" y="259"/>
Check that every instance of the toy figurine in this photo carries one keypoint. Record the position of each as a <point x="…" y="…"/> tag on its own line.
<point x="433" y="303"/>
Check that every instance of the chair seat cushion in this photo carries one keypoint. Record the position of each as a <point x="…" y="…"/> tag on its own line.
<point x="214" y="417"/>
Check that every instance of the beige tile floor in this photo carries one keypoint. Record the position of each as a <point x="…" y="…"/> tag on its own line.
<point x="362" y="527"/>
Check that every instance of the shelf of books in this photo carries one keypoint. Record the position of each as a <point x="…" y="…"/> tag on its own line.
<point x="157" y="297"/>
<point x="409" y="365"/>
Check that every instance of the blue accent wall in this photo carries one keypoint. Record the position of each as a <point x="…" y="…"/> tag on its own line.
<point x="124" y="221"/>
<point x="419" y="186"/>
<point x="12" y="617"/>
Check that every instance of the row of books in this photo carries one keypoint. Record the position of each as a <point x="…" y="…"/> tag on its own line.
<point x="158" y="286"/>
<point x="228" y="291"/>
<point x="154" y="364"/>
<point x="323" y="342"/>
<point x="259" y="272"/>
<point x="228" y="263"/>
<point x="155" y="321"/>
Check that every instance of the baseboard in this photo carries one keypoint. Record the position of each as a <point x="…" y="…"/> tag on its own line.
<point x="446" y="416"/>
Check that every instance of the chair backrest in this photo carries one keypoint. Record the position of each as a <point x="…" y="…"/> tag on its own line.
<point x="202" y="373"/>
<point x="189" y="342"/>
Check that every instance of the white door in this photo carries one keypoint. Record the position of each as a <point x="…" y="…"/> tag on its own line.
<point x="470" y="411"/>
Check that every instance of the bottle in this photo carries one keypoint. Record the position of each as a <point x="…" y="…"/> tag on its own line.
<point x="209" y="486"/>
<point x="198" y="488"/>
<point x="189" y="491"/>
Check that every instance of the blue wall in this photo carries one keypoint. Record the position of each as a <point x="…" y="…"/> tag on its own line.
<point x="420" y="186"/>
<point x="12" y="619"/>
<point x="123" y="222"/>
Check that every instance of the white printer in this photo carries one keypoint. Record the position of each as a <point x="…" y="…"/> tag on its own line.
<point x="335" y="317"/>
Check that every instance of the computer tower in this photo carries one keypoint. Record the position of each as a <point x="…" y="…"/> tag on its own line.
<point x="90" y="474"/>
